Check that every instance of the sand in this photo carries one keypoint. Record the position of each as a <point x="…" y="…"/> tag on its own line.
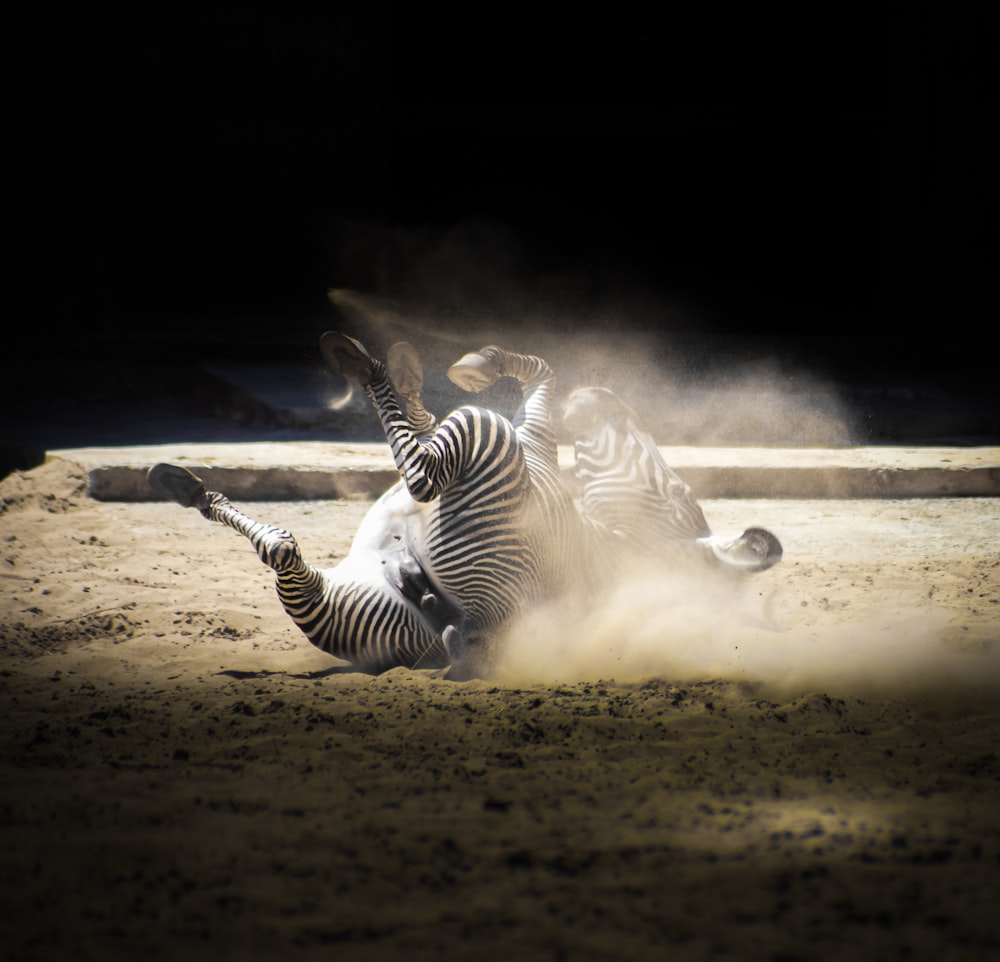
<point x="804" y="767"/>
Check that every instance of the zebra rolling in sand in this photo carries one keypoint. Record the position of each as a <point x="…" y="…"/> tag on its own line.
<point x="480" y="525"/>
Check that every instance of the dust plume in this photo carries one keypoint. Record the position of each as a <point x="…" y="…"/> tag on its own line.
<point x="689" y="392"/>
<point x="689" y="628"/>
<point x="476" y="283"/>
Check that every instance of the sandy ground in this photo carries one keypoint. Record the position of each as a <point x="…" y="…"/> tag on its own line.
<point x="802" y="768"/>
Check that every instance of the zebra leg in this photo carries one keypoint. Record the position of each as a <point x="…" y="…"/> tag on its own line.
<point x="350" y="358"/>
<point x="275" y="546"/>
<point x="300" y="586"/>
<point x="533" y="421"/>
<point x="407" y="376"/>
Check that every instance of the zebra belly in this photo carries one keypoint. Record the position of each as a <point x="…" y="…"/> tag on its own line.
<point x="398" y="531"/>
<point x="389" y="521"/>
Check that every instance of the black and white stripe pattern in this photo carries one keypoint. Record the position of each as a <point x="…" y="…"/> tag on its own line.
<point x="552" y="521"/>
<point x="472" y="473"/>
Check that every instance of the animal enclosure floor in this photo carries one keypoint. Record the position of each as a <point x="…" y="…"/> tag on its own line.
<point x="804" y="767"/>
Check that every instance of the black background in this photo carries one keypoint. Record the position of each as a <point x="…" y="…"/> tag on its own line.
<point x="811" y="177"/>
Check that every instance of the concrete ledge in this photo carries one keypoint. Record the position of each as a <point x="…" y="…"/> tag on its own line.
<point x="307" y="470"/>
<point x="119" y="483"/>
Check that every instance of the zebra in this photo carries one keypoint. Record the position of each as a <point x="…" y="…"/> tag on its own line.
<point x="479" y="526"/>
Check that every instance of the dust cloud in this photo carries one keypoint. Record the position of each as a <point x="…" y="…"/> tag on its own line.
<point x="666" y="353"/>
<point x="688" y="392"/>
<point x="758" y="631"/>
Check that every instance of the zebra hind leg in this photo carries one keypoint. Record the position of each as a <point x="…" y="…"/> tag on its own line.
<point x="477" y="371"/>
<point x="533" y="421"/>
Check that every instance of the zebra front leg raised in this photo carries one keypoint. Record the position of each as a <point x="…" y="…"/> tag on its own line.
<point x="369" y="610"/>
<point x="275" y="546"/>
<point x="419" y="466"/>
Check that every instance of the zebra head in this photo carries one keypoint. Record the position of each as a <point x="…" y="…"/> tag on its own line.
<point x="605" y="428"/>
<point x="591" y="409"/>
<point x="624" y="481"/>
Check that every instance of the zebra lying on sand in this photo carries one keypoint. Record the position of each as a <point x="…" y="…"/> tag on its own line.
<point x="480" y="525"/>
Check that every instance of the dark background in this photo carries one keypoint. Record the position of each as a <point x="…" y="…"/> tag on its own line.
<point x="822" y="182"/>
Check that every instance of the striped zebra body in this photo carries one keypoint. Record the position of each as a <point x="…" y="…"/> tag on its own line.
<point x="529" y="531"/>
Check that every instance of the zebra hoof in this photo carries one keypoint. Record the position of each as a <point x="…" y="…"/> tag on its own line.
<point x="177" y="483"/>
<point x="346" y="356"/>
<point x="473" y="373"/>
<point x="461" y="666"/>
<point x="405" y="370"/>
